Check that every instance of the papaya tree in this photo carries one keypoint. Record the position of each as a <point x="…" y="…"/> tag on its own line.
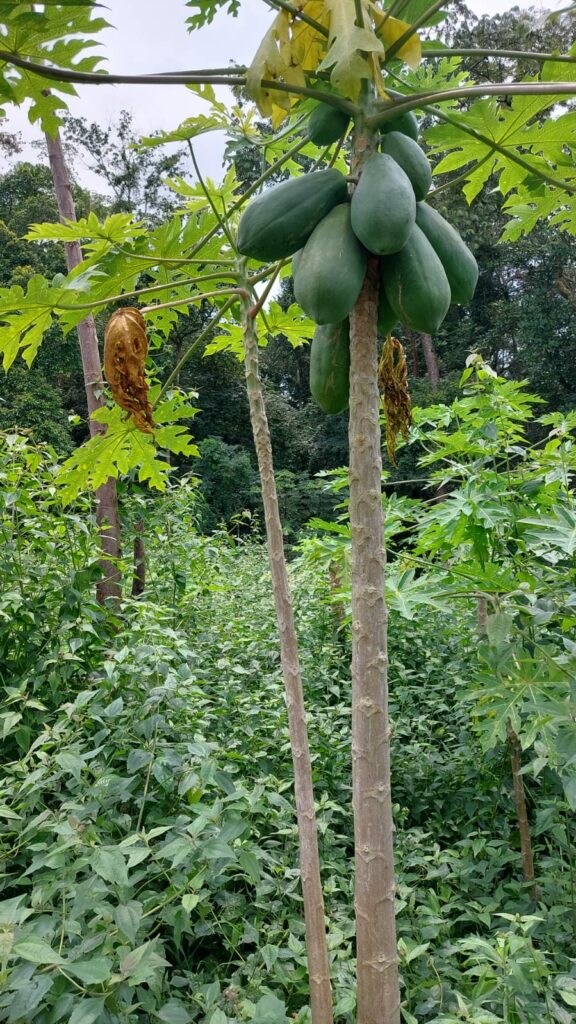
<point x="371" y="254"/>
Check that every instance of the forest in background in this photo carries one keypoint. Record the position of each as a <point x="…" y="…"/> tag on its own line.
<point x="522" y="319"/>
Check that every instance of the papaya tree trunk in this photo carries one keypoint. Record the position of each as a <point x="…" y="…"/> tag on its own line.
<point x="317" y="949"/>
<point x="377" y="968"/>
<point x="521" y="811"/>
<point x="108" y="587"/>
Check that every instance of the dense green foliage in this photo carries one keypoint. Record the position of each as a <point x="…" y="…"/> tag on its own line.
<point x="147" y="821"/>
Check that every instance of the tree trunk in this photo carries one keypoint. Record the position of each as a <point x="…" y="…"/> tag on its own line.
<point x="139" y="577"/>
<point x="377" y="970"/>
<point x="108" y="586"/>
<point x="317" y="950"/>
<point x="522" y="814"/>
<point x="431" y="361"/>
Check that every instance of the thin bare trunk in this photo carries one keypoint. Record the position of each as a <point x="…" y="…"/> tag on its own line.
<point x="414" y="350"/>
<point x="521" y="812"/>
<point x="377" y="970"/>
<point x="317" y="950"/>
<point x="139" y="577"/>
<point x="481" y="615"/>
<point x="106" y="497"/>
<point x="431" y="361"/>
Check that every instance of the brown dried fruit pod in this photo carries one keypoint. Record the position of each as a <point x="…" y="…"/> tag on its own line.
<point x="125" y="351"/>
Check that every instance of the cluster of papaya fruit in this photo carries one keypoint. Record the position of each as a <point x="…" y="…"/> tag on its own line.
<point x="424" y="264"/>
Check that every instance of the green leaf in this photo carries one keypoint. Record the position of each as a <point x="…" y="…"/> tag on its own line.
<point x="123" y="448"/>
<point x="174" y="1012"/>
<point x="37" y="952"/>
<point x="140" y="965"/>
<point x="270" y="1010"/>
<point x="128" y="917"/>
<point x="87" y="1011"/>
<point x="91" y="972"/>
<point x="110" y="865"/>
<point x="58" y="35"/>
<point x="208" y="10"/>
<point x="250" y="865"/>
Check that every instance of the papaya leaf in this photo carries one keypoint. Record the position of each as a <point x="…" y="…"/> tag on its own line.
<point x="518" y="146"/>
<point x="393" y="29"/>
<point x="46" y="36"/>
<point x="123" y="448"/>
<point x="291" y="322"/>
<point x="207" y="11"/>
<point x="349" y="48"/>
<point x="289" y="48"/>
<point x="119" y="228"/>
<point x="24" y="318"/>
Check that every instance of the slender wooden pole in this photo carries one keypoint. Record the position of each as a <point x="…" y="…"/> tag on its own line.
<point x="108" y="586"/>
<point x="317" y="949"/>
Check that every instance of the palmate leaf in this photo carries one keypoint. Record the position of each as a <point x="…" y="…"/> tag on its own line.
<point x="292" y="323"/>
<point x="289" y="48"/>
<point x="349" y="48"/>
<point x="207" y="11"/>
<point x="124" y="448"/>
<point x="46" y="35"/>
<point x="117" y="229"/>
<point x="24" y="318"/>
<point x="520" y="148"/>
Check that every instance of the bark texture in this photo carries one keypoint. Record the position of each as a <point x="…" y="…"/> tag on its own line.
<point x="521" y="812"/>
<point x="431" y="361"/>
<point x="377" y="971"/>
<point x="139" y="576"/>
<point x="317" y="950"/>
<point x="106" y="498"/>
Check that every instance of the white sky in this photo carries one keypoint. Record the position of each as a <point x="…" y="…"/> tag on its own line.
<point x="145" y="40"/>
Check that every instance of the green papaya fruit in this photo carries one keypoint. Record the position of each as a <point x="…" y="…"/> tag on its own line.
<point x="330" y="367"/>
<point x="415" y="284"/>
<point x="387" y="318"/>
<point x="405" y="123"/>
<point x="459" y="264"/>
<point x="281" y="219"/>
<point x="383" y="205"/>
<point x="412" y="160"/>
<point x="327" y="124"/>
<point x="331" y="270"/>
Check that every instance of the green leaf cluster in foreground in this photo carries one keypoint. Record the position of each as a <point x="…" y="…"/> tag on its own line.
<point x="146" y="814"/>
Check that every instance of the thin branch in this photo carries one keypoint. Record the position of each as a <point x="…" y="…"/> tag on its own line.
<point x="434" y="51"/>
<point x="97" y="303"/>
<point x="253" y="312"/>
<point x="396" y="7"/>
<point x="195" y="345"/>
<point x="101" y="78"/>
<point x="223" y="223"/>
<point x="411" y="31"/>
<point x="423" y="99"/>
<point x="359" y="13"/>
<point x="299" y="15"/>
<point x="241" y="292"/>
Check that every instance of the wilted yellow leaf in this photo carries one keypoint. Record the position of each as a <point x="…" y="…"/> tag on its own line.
<point x="350" y="48"/>
<point x="269" y="65"/>
<point x="289" y="48"/>
<point x="391" y="30"/>
<point x="309" y="45"/>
